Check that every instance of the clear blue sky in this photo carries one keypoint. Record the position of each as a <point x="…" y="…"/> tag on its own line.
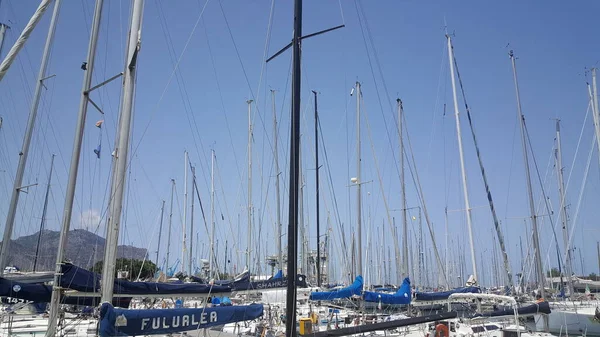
<point x="201" y="106"/>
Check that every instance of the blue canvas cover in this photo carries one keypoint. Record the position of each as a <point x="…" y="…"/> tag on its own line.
<point x="197" y="279"/>
<point x="269" y="284"/>
<point x="154" y="288"/>
<point x="536" y="308"/>
<point x="76" y="278"/>
<point x="86" y="281"/>
<point x="443" y="295"/>
<point x="13" y="292"/>
<point x="242" y="278"/>
<point x="402" y="296"/>
<point x="139" y="322"/>
<point x="354" y="289"/>
<point x="277" y="276"/>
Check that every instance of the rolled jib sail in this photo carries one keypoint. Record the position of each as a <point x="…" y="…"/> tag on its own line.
<point x="139" y="322"/>
<point x="443" y="295"/>
<point x="354" y="289"/>
<point x="402" y="296"/>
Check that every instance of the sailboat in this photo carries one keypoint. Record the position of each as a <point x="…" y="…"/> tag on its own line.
<point x="577" y="314"/>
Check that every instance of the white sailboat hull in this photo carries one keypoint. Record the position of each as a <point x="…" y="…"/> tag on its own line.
<point x="573" y="320"/>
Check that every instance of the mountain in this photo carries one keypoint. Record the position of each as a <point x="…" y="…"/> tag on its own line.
<point x="84" y="248"/>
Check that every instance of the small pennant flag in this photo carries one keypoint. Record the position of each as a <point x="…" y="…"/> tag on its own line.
<point x="414" y="217"/>
<point x="97" y="151"/>
<point x="99" y="123"/>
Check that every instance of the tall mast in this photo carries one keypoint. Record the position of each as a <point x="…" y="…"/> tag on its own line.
<point x="248" y="260"/>
<point x="160" y="227"/>
<point x="563" y="207"/>
<point x="462" y="159"/>
<point x="389" y="266"/>
<point x="317" y="191"/>
<point x="596" y="113"/>
<point x="421" y="258"/>
<point x="170" y="225"/>
<point x="212" y="212"/>
<point x="398" y="258"/>
<point x="74" y="166"/>
<point x="20" y="43"/>
<point x="225" y="262"/>
<point x="381" y="255"/>
<point x="358" y="182"/>
<point x="303" y="258"/>
<point x="278" y="199"/>
<point x="14" y="201"/>
<point x="190" y="262"/>
<point x="488" y="192"/>
<point x="294" y="166"/>
<point x="522" y="263"/>
<point x="44" y="210"/>
<point x="536" y="241"/>
<point x="292" y="232"/>
<point x="3" y="29"/>
<point x="121" y="152"/>
<point x="446" y="230"/>
<point x="185" y="198"/>
<point x="403" y="192"/>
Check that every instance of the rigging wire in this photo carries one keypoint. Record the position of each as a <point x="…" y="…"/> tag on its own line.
<point x="570" y="175"/>
<point x="573" y="166"/>
<point x="381" y="185"/>
<point x="413" y="174"/>
<point x="237" y="52"/>
<point x="184" y="92"/>
<point x="362" y="29"/>
<point x="415" y="177"/>
<point x="222" y="100"/>
<point x="173" y="73"/>
<point x="335" y="203"/>
<point x="581" y="190"/>
<point x="498" y="232"/>
<point x="548" y="210"/>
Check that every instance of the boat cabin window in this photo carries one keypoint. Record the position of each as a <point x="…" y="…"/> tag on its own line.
<point x="482" y="328"/>
<point x="507" y="333"/>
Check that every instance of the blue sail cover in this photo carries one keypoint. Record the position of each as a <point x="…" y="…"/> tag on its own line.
<point x="24" y="292"/>
<point x="242" y="278"/>
<point x="269" y="284"/>
<point x="354" y="289"/>
<point x="154" y="288"/>
<point x="139" y="322"/>
<point x="197" y="279"/>
<point x="443" y="295"/>
<point x="277" y="276"/>
<point x="537" y="308"/>
<point x="86" y="281"/>
<point x="402" y="296"/>
<point x="13" y="292"/>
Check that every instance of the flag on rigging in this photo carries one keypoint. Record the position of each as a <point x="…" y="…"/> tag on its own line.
<point x="97" y="150"/>
<point x="99" y="123"/>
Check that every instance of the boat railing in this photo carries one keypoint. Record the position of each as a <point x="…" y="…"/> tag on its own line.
<point x="489" y="297"/>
